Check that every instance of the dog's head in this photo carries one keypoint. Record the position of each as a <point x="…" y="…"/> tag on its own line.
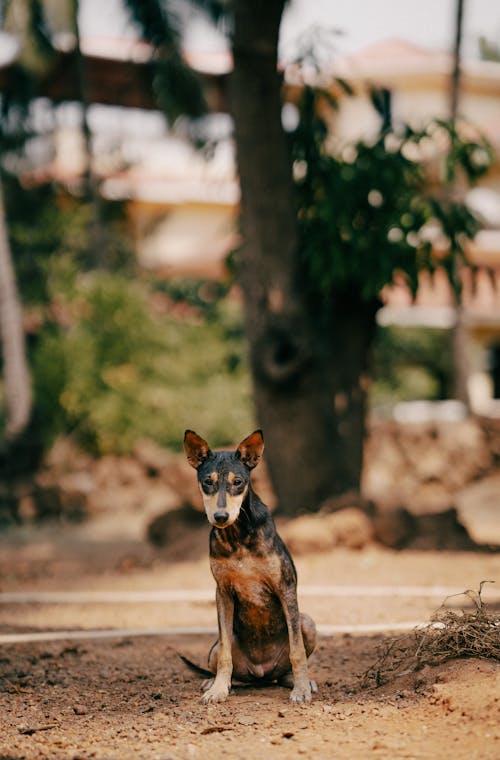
<point x="223" y="476"/>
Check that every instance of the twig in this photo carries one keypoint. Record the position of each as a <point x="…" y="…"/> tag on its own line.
<point x="449" y="634"/>
<point x="31" y="731"/>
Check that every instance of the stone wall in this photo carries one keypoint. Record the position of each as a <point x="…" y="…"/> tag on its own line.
<point x="423" y="466"/>
<point x="415" y="474"/>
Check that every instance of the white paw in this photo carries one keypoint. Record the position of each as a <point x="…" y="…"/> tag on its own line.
<point x="215" y="694"/>
<point x="301" y="694"/>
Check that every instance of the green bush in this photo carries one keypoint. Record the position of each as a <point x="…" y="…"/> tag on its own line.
<point x="411" y="363"/>
<point x="118" y="372"/>
<point x="109" y="366"/>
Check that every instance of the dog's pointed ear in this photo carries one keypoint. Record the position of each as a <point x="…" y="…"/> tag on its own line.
<point x="197" y="450"/>
<point x="250" y="450"/>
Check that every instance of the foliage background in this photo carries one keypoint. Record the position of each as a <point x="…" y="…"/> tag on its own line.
<point x="117" y="357"/>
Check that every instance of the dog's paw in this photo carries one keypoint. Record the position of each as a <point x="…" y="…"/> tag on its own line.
<point x="302" y="694"/>
<point x="215" y="694"/>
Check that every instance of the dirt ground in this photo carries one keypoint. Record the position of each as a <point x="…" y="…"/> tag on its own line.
<point x="131" y="696"/>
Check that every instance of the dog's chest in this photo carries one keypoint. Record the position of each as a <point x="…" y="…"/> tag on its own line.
<point x="252" y="579"/>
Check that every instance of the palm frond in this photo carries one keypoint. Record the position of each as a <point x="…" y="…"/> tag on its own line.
<point x="177" y="87"/>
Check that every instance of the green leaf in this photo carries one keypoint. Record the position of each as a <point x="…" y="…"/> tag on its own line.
<point x="362" y="210"/>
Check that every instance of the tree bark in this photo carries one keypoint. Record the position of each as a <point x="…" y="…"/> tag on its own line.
<point x="97" y="243"/>
<point x="291" y="358"/>
<point x="15" y="367"/>
<point x="353" y="330"/>
<point x="461" y="366"/>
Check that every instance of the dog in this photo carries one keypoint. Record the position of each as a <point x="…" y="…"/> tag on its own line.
<point x="262" y="636"/>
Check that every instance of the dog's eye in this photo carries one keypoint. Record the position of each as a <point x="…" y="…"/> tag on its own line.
<point x="208" y="481"/>
<point x="237" y="482"/>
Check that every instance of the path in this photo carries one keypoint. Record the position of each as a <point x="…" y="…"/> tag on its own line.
<point x="129" y="696"/>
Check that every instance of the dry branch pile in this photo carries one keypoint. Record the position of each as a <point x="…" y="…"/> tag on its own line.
<point x="449" y="634"/>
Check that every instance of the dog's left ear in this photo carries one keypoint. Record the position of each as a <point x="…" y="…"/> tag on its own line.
<point x="196" y="448"/>
<point x="250" y="450"/>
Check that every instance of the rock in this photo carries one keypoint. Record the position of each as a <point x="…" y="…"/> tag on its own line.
<point x="116" y="471"/>
<point x="394" y="528"/>
<point x="491" y="430"/>
<point x="63" y="485"/>
<point x="468" y="452"/>
<point x="117" y="498"/>
<point x="65" y="456"/>
<point x="350" y="528"/>
<point x="386" y="476"/>
<point x="151" y="456"/>
<point x="75" y="489"/>
<point x="478" y="510"/>
<point x="398" y="529"/>
<point x="429" y="497"/>
<point x="169" y="527"/>
<point x="421" y="451"/>
<point x="351" y="499"/>
<point x="247" y="720"/>
<point x="422" y="465"/>
<point x="46" y="495"/>
<point x="181" y="478"/>
<point x="107" y="472"/>
<point x="146" y="498"/>
<point x="440" y="530"/>
<point x="129" y="471"/>
<point x="322" y="532"/>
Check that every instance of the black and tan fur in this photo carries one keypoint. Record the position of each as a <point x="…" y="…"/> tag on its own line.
<point x="262" y="636"/>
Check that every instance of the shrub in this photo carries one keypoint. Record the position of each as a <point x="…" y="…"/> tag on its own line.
<point x="411" y="363"/>
<point x="118" y="372"/>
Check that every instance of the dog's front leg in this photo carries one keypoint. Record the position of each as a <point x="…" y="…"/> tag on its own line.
<point x="221" y="686"/>
<point x="301" y="691"/>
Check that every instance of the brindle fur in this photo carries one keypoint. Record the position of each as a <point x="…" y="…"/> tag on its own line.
<point x="262" y="636"/>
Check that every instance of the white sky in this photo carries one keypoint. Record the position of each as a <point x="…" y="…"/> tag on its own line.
<point x="428" y="23"/>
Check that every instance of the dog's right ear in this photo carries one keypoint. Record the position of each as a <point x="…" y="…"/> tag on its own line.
<point x="197" y="450"/>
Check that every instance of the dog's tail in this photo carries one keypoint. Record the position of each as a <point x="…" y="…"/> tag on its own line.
<point x="196" y="668"/>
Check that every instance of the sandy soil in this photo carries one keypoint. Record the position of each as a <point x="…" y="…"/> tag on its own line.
<point x="131" y="697"/>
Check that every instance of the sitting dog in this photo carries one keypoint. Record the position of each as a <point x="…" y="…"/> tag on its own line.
<point x="262" y="636"/>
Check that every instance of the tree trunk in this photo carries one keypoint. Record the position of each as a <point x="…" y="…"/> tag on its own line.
<point x="353" y="331"/>
<point x="461" y="368"/>
<point x="97" y="239"/>
<point x="15" y="368"/>
<point x="291" y="359"/>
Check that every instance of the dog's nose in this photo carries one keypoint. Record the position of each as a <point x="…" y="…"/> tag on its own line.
<point x="221" y="517"/>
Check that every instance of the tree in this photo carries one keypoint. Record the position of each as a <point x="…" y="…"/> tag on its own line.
<point x="316" y="252"/>
<point x="311" y="281"/>
<point x="365" y="215"/>
<point x="35" y="24"/>
<point x="35" y="57"/>
<point x="17" y="384"/>
<point x="15" y="366"/>
<point x="311" y="285"/>
<point x="291" y="369"/>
